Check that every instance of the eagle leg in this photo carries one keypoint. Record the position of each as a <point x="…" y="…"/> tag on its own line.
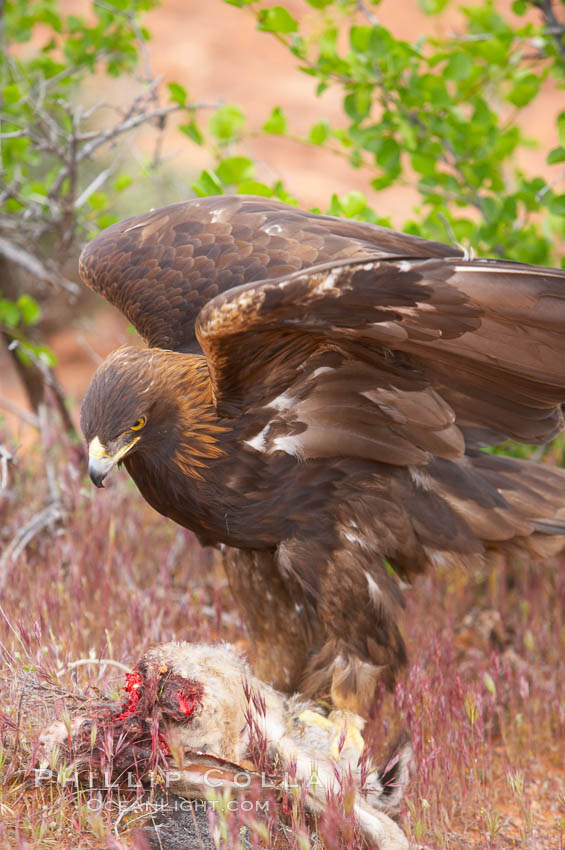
<point x="282" y="626"/>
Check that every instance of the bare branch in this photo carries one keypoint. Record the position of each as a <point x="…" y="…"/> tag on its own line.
<point x="371" y="17"/>
<point x="5" y="458"/>
<point x="555" y="27"/>
<point x="98" y="181"/>
<point x="124" y="127"/>
<point x="45" y="518"/>
<point x="24" y="415"/>
<point x="18" y="255"/>
<point x="81" y="662"/>
<point x="549" y="186"/>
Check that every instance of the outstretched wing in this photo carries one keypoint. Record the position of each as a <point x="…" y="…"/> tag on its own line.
<point x="160" y="268"/>
<point x="392" y="359"/>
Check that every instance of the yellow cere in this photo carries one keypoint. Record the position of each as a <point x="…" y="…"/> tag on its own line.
<point x="96" y="449"/>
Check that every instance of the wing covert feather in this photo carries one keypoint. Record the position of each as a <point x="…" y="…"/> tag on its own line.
<point x="160" y="268"/>
<point x="485" y="337"/>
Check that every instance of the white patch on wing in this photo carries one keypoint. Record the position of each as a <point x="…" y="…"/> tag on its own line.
<point x="374" y="590"/>
<point x="321" y="370"/>
<point x="420" y="479"/>
<point x="282" y="402"/>
<point x="217" y="215"/>
<point x="404" y="265"/>
<point x="438" y="559"/>
<point x="284" y="559"/>
<point x="328" y="282"/>
<point x="354" y="538"/>
<point x="259" y="442"/>
<point x="290" y="445"/>
<point x="272" y="229"/>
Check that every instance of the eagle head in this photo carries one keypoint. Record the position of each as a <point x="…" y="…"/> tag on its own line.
<point x="126" y="409"/>
<point x="155" y="402"/>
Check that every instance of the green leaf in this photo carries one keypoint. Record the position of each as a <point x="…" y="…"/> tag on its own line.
<point x="254" y="187"/>
<point x="458" y="67"/>
<point x="28" y="352"/>
<point x="525" y="89"/>
<point x="433" y="7"/>
<point x="105" y="220"/>
<point x="423" y="163"/>
<point x="561" y="128"/>
<point x="520" y="7"/>
<point x="277" y="19"/>
<point x="353" y="203"/>
<point x="358" y="103"/>
<point x="226" y="123"/>
<point x="234" y="170"/>
<point x="276" y="122"/>
<point x="29" y="309"/>
<point x="319" y="133"/>
<point x="335" y="206"/>
<point x="98" y="201"/>
<point x="556" y="155"/>
<point x="207" y="184"/>
<point x="557" y="205"/>
<point x="319" y="4"/>
<point x="388" y="156"/>
<point x="11" y="94"/>
<point x="122" y="182"/>
<point x="177" y="93"/>
<point x="193" y="132"/>
<point x="359" y="38"/>
<point x="9" y="313"/>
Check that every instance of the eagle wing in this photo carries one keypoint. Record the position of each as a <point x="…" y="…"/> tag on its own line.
<point x="392" y="359"/>
<point x="160" y="268"/>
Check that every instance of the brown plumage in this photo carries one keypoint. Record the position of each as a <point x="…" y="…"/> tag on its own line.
<point x="331" y="428"/>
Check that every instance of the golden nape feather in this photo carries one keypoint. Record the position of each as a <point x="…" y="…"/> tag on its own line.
<point x="315" y="398"/>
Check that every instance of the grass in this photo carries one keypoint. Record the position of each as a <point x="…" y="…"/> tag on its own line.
<point x="483" y="697"/>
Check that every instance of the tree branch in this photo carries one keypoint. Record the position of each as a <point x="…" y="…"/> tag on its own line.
<point x="14" y="253"/>
<point x="555" y="27"/>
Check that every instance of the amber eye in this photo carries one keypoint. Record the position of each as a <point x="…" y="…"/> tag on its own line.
<point x="139" y="423"/>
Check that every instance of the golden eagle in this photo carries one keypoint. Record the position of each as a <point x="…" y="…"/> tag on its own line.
<point x="313" y="399"/>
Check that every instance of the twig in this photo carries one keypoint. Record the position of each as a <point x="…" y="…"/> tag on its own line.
<point x="124" y="127"/>
<point x="549" y="186"/>
<point x="81" y="662"/>
<point x="18" y="255"/>
<point x="25" y="415"/>
<point x="372" y="18"/>
<point x="84" y="344"/>
<point x="52" y="485"/>
<point x="98" y="181"/>
<point x="44" y="518"/>
<point x="555" y="27"/>
<point x="5" y="458"/>
<point x="134" y="807"/>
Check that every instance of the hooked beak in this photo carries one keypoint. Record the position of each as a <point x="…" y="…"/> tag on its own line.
<point x="100" y="461"/>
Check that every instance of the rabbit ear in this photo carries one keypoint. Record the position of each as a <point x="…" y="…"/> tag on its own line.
<point x="395" y="775"/>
